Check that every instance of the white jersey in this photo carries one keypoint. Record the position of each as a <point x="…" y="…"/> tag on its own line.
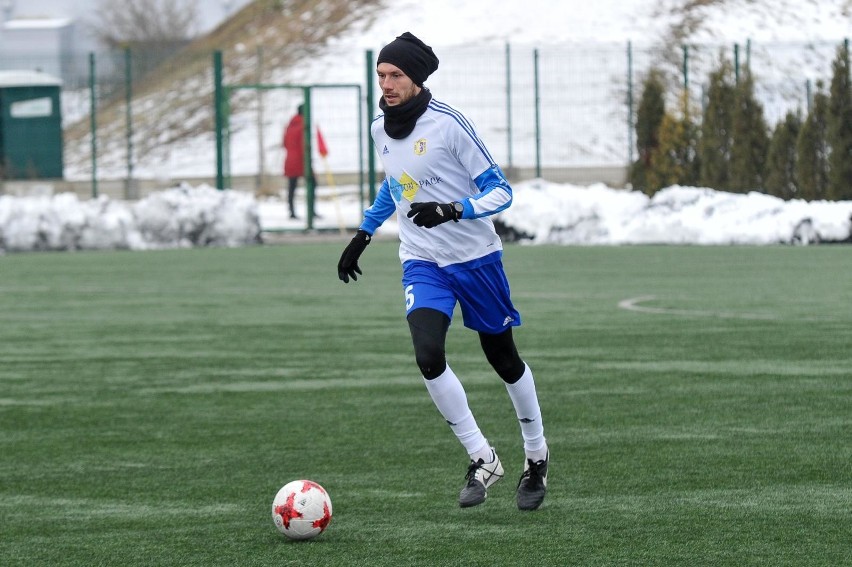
<point x="442" y="160"/>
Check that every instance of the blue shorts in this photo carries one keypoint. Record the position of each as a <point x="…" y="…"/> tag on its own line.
<point x="482" y="292"/>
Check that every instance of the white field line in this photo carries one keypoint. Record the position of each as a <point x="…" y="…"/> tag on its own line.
<point x="633" y="304"/>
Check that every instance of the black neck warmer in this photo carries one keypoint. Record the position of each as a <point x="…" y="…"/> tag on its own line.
<point x="400" y="120"/>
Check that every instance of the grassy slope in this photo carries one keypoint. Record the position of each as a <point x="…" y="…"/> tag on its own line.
<point x="176" y="101"/>
<point x="151" y="404"/>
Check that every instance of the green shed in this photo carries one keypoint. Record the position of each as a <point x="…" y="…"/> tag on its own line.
<point x="30" y="126"/>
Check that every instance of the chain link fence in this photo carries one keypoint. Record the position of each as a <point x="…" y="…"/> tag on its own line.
<point x="139" y="119"/>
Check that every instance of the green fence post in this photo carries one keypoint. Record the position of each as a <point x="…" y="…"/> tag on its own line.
<point x="93" y="124"/>
<point x="510" y="161"/>
<point x="307" y="134"/>
<point x="360" y="148"/>
<point x="260" y="180"/>
<point x="686" y="68"/>
<point x="737" y="63"/>
<point x="809" y="99"/>
<point x="537" y="115"/>
<point x="218" y="98"/>
<point x="128" y="97"/>
<point x="371" y="102"/>
<point x="629" y="103"/>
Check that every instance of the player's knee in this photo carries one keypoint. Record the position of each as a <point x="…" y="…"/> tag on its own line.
<point x="509" y="368"/>
<point x="503" y="356"/>
<point x="431" y="360"/>
<point x="428" y="333"/>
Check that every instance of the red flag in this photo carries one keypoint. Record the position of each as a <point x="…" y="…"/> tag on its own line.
<point x="321" y="147"/>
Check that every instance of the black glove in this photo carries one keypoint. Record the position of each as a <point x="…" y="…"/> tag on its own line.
<point x="347" y="267"/>
<point x="431" y="214"/>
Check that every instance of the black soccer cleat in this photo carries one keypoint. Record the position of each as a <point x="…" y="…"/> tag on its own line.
<point x="533" y="484"/>
<point x="480" y="475"/>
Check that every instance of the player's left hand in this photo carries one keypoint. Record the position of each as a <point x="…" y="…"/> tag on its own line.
<point x="431" y="214"/>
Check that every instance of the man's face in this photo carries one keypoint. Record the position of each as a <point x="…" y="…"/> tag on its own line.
<point x="397" y="87"/>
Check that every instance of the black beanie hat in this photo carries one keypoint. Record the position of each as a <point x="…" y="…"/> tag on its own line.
<point x="412" y="56"/>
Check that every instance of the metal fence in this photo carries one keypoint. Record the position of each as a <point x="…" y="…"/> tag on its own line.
<point x="133" y="120"/>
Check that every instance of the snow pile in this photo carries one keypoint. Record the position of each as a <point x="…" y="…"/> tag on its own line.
<point x="541" y="213"/>
<point x="546" y="213"/>
<point x="201" y="216"/>
<point x="178" y="217"/>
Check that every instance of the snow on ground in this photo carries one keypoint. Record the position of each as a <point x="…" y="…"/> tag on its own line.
<point x="542" y="213"/>
<point x="567" y="214"/>
<point x="180" y="217"/>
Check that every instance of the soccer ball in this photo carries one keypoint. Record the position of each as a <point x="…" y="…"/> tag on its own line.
<point x="301" y="509"/>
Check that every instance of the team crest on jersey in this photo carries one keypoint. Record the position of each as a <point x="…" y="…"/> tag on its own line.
<point x="420" y="147"/>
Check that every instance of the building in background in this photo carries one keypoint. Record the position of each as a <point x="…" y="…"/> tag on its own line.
<point x="30" y="126"/>
<point x="47" y="45"/>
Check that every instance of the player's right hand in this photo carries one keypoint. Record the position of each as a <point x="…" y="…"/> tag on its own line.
<point x="347" y="267"/>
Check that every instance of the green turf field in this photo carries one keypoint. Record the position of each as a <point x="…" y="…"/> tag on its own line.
<point x="697" y="402"/>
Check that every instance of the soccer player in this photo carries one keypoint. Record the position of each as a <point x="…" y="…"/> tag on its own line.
<point x="443" y="185"/>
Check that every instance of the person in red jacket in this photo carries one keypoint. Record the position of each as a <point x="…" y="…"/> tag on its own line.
<point x="293" y="143"/>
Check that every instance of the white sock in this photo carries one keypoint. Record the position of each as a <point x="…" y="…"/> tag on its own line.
<point x="486" y="454"/>
<point x="525" y="400"/>
<point x="449" y="397"/>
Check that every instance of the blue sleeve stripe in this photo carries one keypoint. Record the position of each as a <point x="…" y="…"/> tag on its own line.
<point x="489" y="180"/>
<point x="464" y="123"/>
<point x="382" y="208"/>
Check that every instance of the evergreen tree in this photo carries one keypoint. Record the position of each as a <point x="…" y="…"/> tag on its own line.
<point x="750" y="138"/>
<point x="717" y="129"/>
<point x="675" y="161"/>
<point x="666" y="168"/>
<point x="840" y="128"/>
<point x="649" y="116"/>
<point x="781" y="160"/>
<point x="812" y="150"/>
